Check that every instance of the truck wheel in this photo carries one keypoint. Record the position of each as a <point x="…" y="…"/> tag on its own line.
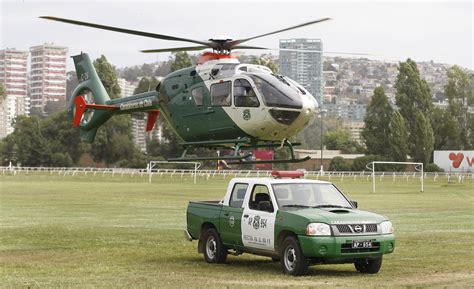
<point x="367" y="265"/>
<point x="214" y="250"/>
<point x="291" y="257"/>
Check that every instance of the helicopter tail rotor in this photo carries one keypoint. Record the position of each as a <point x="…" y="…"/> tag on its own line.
<point x="90" y="106"/>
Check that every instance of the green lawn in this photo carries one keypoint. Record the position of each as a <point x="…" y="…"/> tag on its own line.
<point x="86" y="231"/>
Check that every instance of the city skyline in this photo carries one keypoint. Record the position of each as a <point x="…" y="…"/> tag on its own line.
<point x="423" y="31"/>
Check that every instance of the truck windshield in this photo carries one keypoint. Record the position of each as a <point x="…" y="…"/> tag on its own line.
<point x="309" y="196"/>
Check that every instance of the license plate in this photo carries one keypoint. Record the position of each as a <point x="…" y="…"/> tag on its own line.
<point x="361" y="244"/>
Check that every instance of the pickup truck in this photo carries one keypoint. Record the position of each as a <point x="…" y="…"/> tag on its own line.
<point x="296" y="221"/>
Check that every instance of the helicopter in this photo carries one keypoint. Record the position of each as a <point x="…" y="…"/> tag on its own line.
<point x="219" y="103"/>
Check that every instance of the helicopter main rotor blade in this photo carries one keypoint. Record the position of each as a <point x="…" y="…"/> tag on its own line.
<point x="232" y="44"/>
<point x="128" y="31"/>
<point x="175" y="49"/>
<point x="248" y="47"/>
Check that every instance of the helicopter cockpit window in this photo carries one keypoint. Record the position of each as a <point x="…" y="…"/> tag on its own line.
<point x="220" y="94"/>
<point x="198" y="95"/>
<point x="277" y="93"/>
<point x="244" y="95"/>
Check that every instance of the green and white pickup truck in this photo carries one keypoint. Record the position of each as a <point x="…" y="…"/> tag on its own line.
<point x="298" y="222"/>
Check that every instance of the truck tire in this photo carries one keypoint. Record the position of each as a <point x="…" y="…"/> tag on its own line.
<point x="214" y="250"/>
<point x="291" y="257"/>
<point x="368" y="265"/>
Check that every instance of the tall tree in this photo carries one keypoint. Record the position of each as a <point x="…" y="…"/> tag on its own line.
<point x="26" y="144"/>
<point x="265" y="61"/>
<point x="3" y="92"/>
<point x="447" y="131"/>
<point x="377" y="124"/>
<point x="460" y="94"/>
<point x="397" y="139"/>
<point x="114" y="139"/>
<point x="181" y="60"/>
<point x="107" y="75"/>
<point x="146" y="84"/>
<point x="423" y="145"/>
<point x="413" y="97"/>
<point x="341" y="140"/>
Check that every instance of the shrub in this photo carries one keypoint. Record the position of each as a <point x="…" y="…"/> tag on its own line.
<point x="339" y="164"/>
<point x="433" y="168"/>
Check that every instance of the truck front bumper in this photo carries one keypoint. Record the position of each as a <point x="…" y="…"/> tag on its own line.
<point x="341" y="247"/>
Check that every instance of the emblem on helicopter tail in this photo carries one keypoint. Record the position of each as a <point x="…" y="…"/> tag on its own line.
<point x="246" y="114"/>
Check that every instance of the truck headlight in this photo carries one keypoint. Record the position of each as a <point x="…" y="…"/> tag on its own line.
<point x="318" y="229"/>
<point x="386" y="227"/>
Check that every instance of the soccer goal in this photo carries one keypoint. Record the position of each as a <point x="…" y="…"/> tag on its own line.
<point x="153" y="164"/>
<point x="418" y="167"/>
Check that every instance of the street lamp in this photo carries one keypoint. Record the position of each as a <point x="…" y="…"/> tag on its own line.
<point x="321" y="115"/>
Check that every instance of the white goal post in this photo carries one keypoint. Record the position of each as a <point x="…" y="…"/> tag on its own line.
<point x="418" y="167"/>
<point x="152" y="164"/>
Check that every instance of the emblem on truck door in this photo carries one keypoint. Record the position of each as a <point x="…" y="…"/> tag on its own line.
<point x="231" y="221"/>
<point x="256" y="222"/>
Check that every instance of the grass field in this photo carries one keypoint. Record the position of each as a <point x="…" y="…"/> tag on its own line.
<point x="86" y="231"/>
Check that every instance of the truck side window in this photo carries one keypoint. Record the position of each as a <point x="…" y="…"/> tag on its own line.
<point x="238" y="195"/>
<point x="260" y="198"/>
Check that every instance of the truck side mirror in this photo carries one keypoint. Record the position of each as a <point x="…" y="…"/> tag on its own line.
<point x="265" y="206"/>
<point x="355" y="204"/>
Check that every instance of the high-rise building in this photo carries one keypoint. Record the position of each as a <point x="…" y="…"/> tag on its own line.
<point x="48" y="74"/>
<point x="305" y="67"/>
<point x="14" y="78"/>
<point x="126" y="88"/>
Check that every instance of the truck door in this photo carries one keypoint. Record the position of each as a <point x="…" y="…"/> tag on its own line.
<point x="231" y="216"/>
<point x="258" y="221"/>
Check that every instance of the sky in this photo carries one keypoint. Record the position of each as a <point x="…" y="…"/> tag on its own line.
<point x="441" y="31"/>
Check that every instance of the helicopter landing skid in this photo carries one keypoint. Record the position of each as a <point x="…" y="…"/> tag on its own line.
<point x="237" y="157"/>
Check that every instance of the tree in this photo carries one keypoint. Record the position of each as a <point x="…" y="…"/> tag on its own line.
<point x="181" y="60"/>
<point x="377" y="124"/>
<point x="114" y="139"/>
<point x="3" y="93"/>
<point x="460" y="94"/>
<point x="339" y="164"/>
<point x="26" y="144"/>
<point x="107" y="75"/>
<point x="146" y="84"/>
<point x="54" y="106"/>
<point x="423" y="139"/>
<point x="63" y="138"/>
<point x="446" y="130"/>
<point x="265" y="61"/>
<point x="413" y="97"/>
<point x="341" y="140"/>
<point x="71" y="83"/>
<point x="397" y="139"/>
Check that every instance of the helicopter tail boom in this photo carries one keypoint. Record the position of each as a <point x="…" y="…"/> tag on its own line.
<point x="90" y="106"/>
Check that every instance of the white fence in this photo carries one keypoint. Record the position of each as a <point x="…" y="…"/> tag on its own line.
<point x="224" y="174"/>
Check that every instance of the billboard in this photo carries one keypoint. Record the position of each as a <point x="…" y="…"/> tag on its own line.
<point x="454" y="161"/>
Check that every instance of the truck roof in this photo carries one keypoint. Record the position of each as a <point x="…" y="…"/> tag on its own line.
<point x="279" y="180"/>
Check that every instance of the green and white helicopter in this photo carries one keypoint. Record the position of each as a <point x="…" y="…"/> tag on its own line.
<point x="219" y="103"/>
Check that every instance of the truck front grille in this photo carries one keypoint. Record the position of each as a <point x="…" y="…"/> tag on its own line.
<point x="347" y="248"/>
<point x="351" y="229"/>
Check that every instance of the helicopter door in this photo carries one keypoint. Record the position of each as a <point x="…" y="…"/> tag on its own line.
<point x="246" y="109"/>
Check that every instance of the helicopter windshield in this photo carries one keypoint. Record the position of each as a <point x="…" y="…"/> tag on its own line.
<point x="277" y="91"/>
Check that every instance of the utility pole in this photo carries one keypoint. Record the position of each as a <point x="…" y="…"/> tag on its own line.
<point x="321" y="115"/>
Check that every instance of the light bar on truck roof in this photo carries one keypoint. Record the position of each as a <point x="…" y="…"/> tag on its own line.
<point x="287" y="174"/>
